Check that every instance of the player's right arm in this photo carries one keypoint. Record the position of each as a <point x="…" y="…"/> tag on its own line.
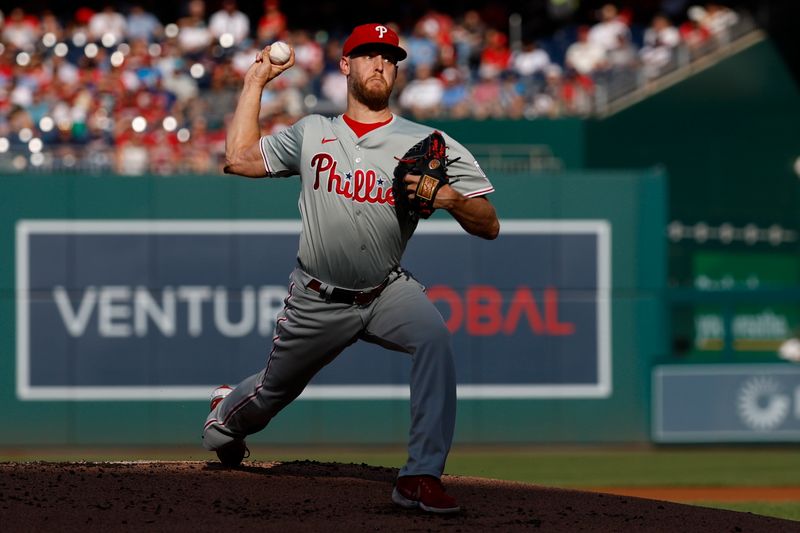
<point x="242" y="144"/>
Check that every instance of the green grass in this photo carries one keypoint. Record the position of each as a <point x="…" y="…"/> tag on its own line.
<point x="571" y="468"/>
<point x="545" y="466"/>
<point x="785" y="510"/>
<point x="593" y="468"/>
<point x="577" y="468"/>
<point x="765" y="467"/>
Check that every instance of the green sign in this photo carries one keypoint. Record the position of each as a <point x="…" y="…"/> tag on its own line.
<point x="759" y="326"/>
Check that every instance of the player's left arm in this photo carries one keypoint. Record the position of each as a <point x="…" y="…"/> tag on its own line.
<point x="476" y="215"/>
<point x="465" y="196"/>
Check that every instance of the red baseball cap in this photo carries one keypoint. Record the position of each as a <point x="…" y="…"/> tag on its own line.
<point x="373" y="34"/>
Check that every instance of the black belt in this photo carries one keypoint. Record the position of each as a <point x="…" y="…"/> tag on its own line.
<point x="346" y="296"/>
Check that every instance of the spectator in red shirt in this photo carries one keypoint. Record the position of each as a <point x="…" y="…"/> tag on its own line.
<point x="576" y="93"/>
<point x="272" y="25"/>
<point x="438" y="27"/>
<point x="485" y="97"/>
<point x="496" y="55"/>
<point x="693" y="32"/>
<point x="164" y="152"/>
<point x="20" y="30"/>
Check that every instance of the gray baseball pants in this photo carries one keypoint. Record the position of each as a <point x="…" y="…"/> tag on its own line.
<point x="310" y="333"/>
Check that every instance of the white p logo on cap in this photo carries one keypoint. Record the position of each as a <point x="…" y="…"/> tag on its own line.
<point x="381" y="31"/>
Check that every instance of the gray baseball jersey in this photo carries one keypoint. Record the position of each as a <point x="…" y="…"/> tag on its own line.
<point x="351" y="237"/>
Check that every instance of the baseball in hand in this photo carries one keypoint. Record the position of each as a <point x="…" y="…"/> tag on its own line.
<point x="279" y="53"/>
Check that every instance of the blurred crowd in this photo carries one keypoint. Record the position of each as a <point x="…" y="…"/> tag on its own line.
<point x="131" y="93"/>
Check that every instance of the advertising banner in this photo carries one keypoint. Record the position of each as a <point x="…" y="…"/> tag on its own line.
<point x="726" y="403"/>
<point x="158" y="309"/>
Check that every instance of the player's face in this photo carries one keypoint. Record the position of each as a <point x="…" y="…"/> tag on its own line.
<point x="370" y="77"/>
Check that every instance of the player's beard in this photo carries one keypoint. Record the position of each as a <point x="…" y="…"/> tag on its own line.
<point x="371" y="95"/>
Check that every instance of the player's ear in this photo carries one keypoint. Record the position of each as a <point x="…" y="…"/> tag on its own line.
<point x="344" y="65"/>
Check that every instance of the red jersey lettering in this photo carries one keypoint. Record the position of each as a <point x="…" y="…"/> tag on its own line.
<point x="362" y="186"/>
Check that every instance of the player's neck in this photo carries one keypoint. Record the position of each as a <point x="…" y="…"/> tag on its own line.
<point x="362" y="128"/>
<point x="361" y="113"/>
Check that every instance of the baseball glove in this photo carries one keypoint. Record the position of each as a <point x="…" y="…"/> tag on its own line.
<point x="427" y="159"/>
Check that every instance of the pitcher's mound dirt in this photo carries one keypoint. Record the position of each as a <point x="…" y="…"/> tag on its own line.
<point x="310" y="496"/>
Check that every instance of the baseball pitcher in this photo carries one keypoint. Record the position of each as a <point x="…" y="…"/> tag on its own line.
<point x="367" y="178"/>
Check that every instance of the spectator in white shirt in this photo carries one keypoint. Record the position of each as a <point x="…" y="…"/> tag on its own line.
<point x="194" y="35"/>
<point x="623" y="55"/>
<point x="142" y="24"/>
<point x="530" y="60"/>
<point x="662" y="33"/>
<point x="334" y="89"/>
<point x="231" y="21"/>
<point x="423" y="95"/>
<point x="660" y="42"/>
<point x="584" y="56"/>
<point x="19" y="30"/>
<point x="107" y="21"/>
<point x="719" y="20"/>
<point x="606" y="33"/>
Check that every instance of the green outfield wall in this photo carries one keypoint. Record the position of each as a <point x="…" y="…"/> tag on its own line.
<point x="729" y="139"/>
<point x="629" y="208"/>
<point x="563" y="141"/>
<point x="728" y="136"/>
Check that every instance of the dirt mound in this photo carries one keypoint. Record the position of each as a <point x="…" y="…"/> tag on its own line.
<point x="310" y="496"/>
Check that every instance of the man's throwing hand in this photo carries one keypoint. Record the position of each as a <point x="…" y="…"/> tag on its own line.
<point x="262" y="71"/>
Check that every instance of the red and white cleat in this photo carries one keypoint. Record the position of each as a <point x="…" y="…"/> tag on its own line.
<point x="424" y="492"/>
<point x="231" y="454"/>
<point x="219" y="394"/>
